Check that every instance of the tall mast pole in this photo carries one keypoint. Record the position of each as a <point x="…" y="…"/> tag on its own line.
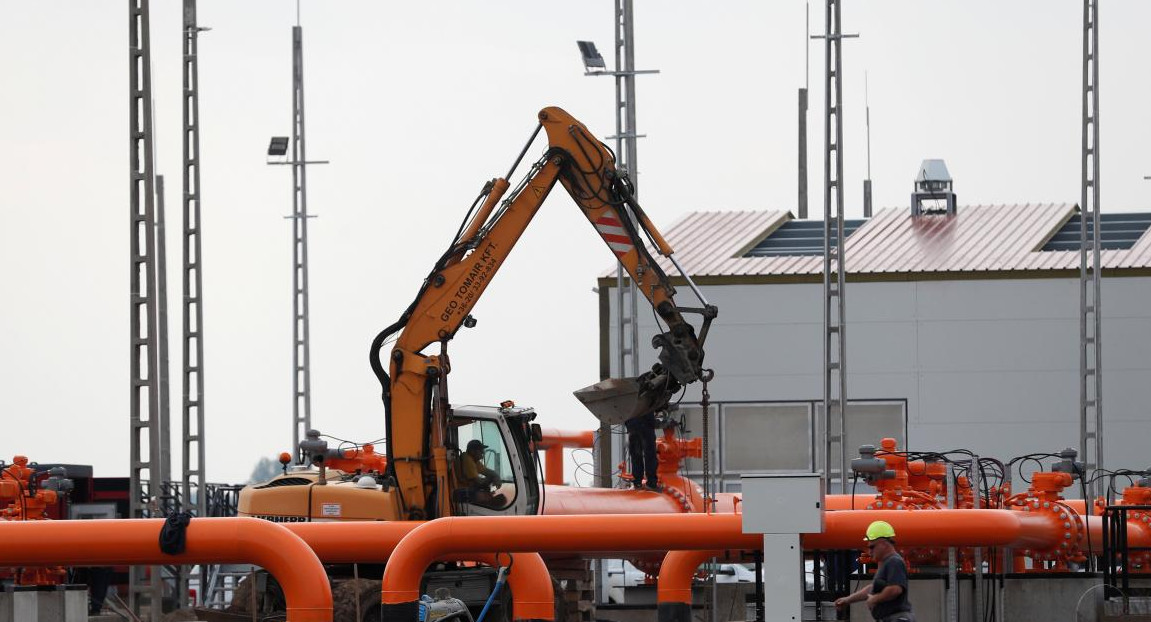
<point x="834" y="307"/>
<point x="301" y="350"/>
<point x="144" y="402"/>
<point x="192" y="412"/>
<point x="1090" y="269"/>
<point x="801" y="207"/>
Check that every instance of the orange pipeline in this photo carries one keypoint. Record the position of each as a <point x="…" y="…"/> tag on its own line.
<point x="597" y="535"/>
<point x="533" y="597"/>
<point x="553" y="443"/>
<point x="208" y="541"/>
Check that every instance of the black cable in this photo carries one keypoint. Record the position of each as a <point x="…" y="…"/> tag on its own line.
<point x="543" y="482"/>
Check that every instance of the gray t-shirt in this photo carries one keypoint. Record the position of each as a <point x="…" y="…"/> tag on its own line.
<point x="893" y="571"/>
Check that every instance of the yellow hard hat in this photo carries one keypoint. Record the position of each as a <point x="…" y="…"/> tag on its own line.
<point x="879" y="529"/>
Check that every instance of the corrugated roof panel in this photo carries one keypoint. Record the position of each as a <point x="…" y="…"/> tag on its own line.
<point x="1003" y="233"/>
<point x="976" y="239"/>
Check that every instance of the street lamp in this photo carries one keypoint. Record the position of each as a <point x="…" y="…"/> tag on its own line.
<point x="278" y="147"/>
<point x="591" y="57"/>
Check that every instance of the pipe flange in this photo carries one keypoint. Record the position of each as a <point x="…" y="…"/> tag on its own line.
<point x="678" y="495"/>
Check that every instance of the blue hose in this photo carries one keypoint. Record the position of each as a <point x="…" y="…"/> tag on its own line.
<point x="501" y="578"/>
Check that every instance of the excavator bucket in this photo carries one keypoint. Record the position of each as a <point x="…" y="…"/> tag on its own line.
<point x="615" y="400"/>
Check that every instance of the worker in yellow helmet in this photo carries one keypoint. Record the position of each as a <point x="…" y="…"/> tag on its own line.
<point x="886" y="595"/>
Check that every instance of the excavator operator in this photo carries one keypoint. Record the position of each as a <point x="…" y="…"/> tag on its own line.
<point x="477" y="479"/>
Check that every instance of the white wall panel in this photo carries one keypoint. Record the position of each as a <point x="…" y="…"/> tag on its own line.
<point x="989" y="364"/>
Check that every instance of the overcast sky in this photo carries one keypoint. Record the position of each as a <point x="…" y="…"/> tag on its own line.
<point x="417" y="104"/>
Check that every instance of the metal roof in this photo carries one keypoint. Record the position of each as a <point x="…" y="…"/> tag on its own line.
<point x="979" y="238"/>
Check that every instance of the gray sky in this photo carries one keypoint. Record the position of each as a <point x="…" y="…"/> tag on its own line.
<point x="417" y="104"/>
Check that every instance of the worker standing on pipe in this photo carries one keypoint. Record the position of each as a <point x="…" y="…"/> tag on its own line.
<point x="642" y="450"/>
<point x="886" y="595"/>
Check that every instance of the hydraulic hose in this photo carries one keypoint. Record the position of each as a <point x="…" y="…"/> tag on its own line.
<point x="501" y="578"/>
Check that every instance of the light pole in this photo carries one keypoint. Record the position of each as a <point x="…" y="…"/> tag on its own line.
<point x="278" y="147"/>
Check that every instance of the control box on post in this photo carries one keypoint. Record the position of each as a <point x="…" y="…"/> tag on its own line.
<point x="782" y="507"/>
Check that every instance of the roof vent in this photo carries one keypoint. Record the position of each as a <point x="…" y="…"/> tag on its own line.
<point x="933" y="184"/>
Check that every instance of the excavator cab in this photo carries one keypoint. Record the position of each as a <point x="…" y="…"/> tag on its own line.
<point x="511" y="485"/>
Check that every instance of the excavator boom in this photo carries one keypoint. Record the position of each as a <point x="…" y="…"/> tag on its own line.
<point x="415" y="386"/>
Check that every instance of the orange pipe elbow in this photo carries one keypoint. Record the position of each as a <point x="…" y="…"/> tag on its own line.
<point x="553" y="442"/>
<point x="570" y="534"/>
<point x="533" y="597"/>
<point x="208" y="541"/>
<point x="676" y="572"/>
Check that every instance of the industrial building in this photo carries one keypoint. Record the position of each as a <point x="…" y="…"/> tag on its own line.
<point x="961" y="330"/>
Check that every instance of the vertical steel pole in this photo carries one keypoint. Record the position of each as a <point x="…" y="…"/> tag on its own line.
<point x="952" y="597"/>
<point x="801" y="208"/>
<point x="1090" y="269"/>
<point x="834" y="309"/>
<point x="802" y="200"/>
<point x="631" y="161"/>
<point x="192" y="416"/>
<point x="867" y="123"/>
<point x="144" y="399"/>
<point x="169" y="502"/>
<point x="976" y="480"/>
<point x="301" y="355"/>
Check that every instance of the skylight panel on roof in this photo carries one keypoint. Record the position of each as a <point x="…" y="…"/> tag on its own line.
<point x="798" y="238"/>
<point x="1117" y="232"/>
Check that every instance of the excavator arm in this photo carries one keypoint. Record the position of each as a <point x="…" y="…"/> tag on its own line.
<point x="415" y="387"/>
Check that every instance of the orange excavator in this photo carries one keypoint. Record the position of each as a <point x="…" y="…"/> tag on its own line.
<point x="421" y="475"/>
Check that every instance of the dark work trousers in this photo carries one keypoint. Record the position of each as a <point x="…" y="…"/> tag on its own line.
<point x="641" y="447"/>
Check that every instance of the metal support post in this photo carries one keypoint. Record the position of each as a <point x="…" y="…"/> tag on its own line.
<point x="144" y="429"/>
<point x="301" y="351"/>
<point x="867" y="123"/>
<point x="627" y="296"/>
<point x="627" y="154"/>
<point x="192" y="481"/>
<point x="801" y="209"/>
<point x="1090" y="269"/>
<point x="301" y="334"/>
<point x="952" y="561"/>
<point x="168" y="503"/>
<point x="834" y="308"/>
<point x="975" y="479"/>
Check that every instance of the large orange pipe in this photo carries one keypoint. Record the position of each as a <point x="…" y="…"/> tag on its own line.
<point x="845" y="529"/>
<point x="533" y="597"/>
<point x="1138" y="533"/>
<point x="634" y="533"/>
<point x="568" y="500"/>
<point x="208" y="541"/>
